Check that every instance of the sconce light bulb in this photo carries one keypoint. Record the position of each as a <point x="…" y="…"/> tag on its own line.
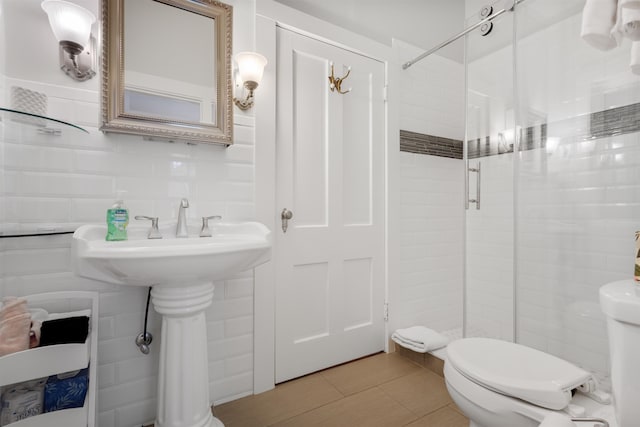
<point x="250" y="69"/>
<point x="69" y="22"/>
<point x="71" y="25"/>
<point x="251" y="66"/>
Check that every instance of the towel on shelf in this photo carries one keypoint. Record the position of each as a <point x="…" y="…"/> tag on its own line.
<point x="12" y="306"/>
<point x="599" y="24"/>
<point x="14" y="334"/>
<point x="635" y="58"/>
<point x="15" y="323"/>
<point x="630" y="4"/>
<point x="419" y="338"/>
<point x="68" y="330"/>
<point x="629" y="23"/>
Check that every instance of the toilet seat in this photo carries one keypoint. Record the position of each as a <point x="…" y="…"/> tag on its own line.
<point x="516" y="370"/>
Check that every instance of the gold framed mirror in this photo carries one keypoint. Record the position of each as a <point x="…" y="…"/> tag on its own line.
<point x="166" y="69"/>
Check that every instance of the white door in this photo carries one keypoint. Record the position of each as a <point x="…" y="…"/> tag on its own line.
<point x="330" y="175"/>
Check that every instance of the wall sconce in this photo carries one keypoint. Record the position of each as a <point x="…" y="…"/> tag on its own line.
<point x="71" y="25"/>
<point x="250" y="68"/>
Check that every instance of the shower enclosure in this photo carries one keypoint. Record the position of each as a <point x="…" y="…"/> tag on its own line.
<point x="552" y="134"/>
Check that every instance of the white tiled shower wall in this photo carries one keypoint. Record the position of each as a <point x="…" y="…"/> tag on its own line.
<point x="431" y="245"/>
<point x="73" y="178"/>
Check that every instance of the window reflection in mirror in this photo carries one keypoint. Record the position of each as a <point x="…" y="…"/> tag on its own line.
<point x="180" y="84"/>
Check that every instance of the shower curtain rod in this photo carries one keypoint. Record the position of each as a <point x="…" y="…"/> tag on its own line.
<point x="508" y="6"/>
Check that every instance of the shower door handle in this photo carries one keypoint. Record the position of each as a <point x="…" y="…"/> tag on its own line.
<point x="477" y="199"/>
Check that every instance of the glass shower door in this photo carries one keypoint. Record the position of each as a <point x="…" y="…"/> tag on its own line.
<point x="490" y="138"/>
<point x="578" y="197"/>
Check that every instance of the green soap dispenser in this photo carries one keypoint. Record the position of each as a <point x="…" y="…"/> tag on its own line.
<point x="117" y="221"/>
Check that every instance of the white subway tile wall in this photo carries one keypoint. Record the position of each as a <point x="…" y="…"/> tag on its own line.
<point x="432" y="94"/>
<point x="431" y="244"/>
<point x="66" y="179"/>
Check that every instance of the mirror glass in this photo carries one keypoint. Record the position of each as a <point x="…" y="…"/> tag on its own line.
<point x="169" y="72"/>
<point x="168" y="86"/>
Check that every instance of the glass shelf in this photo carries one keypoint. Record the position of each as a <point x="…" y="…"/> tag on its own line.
<point x="36" y="229"/>
<point x="43" y="123"/>
<point x="19" y="127"/>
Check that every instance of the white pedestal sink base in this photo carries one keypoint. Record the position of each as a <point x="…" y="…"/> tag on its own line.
<point x="183" y="271"/>
<point x="183" y="377"/>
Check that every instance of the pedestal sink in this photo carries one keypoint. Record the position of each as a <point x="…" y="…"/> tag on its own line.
<point x="182" y="272"/>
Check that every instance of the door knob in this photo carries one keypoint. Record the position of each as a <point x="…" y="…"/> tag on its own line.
<point x="286" y="215"/>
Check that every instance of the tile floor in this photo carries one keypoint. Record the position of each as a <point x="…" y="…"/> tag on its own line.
<point x="381" y="390"/>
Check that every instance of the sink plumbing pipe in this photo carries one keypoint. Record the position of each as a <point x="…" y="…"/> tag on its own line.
<point x="144" y="339"/>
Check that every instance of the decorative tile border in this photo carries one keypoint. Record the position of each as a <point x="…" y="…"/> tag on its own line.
<point x="413" y="142"/>
<point x="615" y="121"/>
<point x="601" y="124"/>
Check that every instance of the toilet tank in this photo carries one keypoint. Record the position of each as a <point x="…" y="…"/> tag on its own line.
<point x="620" y="302"/>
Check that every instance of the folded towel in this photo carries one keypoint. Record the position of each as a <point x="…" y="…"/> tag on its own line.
<point x="14" y="333"/>
<point x="599" y="24"/>
<point x="629" y="21"/>
<point x="12" y="306"/>
<point x="635" y="58"/>
<point x="68" y="330"/>
<point x="419" y="338"/>
<point x="630" y="4"/>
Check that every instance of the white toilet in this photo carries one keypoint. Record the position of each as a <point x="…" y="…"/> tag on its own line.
<point x="620" y="302"/>
<point x="502" y="384"/>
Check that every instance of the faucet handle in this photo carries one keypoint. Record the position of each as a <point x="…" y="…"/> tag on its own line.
<point x="154" y="233"/>
<point x="205" y="232"/>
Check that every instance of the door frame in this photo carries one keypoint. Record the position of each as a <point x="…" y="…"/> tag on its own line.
<point x="269" y="16"/>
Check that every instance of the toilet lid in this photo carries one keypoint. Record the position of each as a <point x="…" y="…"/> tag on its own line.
<point x="517" y="370"/>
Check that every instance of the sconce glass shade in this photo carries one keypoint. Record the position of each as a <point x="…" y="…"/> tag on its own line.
<point x="251" y="66"/>
<point x="69" y="22"/>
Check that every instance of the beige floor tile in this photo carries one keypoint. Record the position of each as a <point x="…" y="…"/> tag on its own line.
<point x="369" y="372"/>
<point x="445" y="417"/>
<point x="370" y="408"/>
<point x="285" y="401"/>
<point x="426" y="360"/>
<point x="421" y="392"/>
<point x="455" y="408"/>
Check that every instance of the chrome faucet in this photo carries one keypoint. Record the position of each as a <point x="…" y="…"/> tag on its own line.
<point x="181" y="228"/>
